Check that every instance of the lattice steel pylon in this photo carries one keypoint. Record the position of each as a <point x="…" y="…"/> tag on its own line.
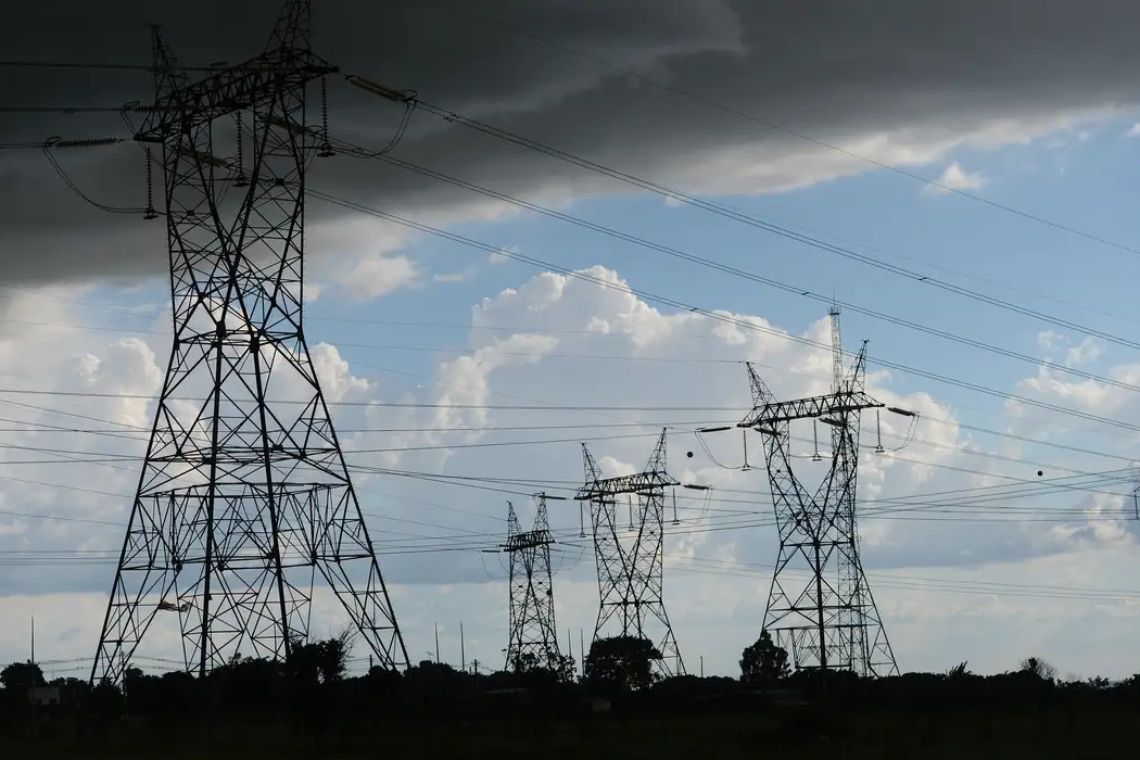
<point x="826" y="618"/>
<point x="630" y="559"/>
<point x="244" y="499"/>
<point x="533" y="634"/>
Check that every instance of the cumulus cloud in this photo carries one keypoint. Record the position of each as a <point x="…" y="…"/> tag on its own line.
<point x="1049" y="340"/>
<point x="1054" y="343"/>
<point x="1088" y="350"/>
<point x="375" y="274"/>
<point x="954" y="177"/>
<point x="501" y="258"/>
<point x="337" y="381"/>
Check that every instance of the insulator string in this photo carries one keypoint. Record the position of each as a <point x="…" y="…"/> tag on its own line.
<point x="150" y="213"/>
<point x="326" y="149"/>
<point x="240" y="180"/>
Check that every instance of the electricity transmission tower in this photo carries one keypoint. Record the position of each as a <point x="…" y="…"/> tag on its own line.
<point x="630" y="558"/>
<point x="244" y="499"/>
<point x="533" y="634"/>
<point x="825" y="618"/>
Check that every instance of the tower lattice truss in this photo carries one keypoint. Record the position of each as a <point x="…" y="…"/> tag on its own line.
<point x="820" y="606"/>
<point x="533" y="634"/>
<point x="244" y="501"/>
<point x="630" y="554"/>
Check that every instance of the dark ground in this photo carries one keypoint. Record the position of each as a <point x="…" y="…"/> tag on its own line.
<point x="256" y="709"/>
<point x="1091" y="731"/>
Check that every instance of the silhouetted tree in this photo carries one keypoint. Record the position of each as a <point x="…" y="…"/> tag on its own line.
<point x="133" y="680"/>
<point x="564" y="668"/>
<point x="621" y="662"/>
<point x="528" y="663"/>
<point x="432" y="682"/>
<point x="764" y="663"/>
<point x="319" y="661"/>
<point x="104" y="702"/>
<point x="72" y="690"/>
<point x="21" y="676"/>
<point x="958" y="671"/>
<point x="1038" y="668"/>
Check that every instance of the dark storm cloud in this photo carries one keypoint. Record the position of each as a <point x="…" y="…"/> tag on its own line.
<point x="920" y="75"/>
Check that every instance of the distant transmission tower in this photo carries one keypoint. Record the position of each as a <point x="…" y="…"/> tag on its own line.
<point x="630" y="557"/>
<point x="532" y="629"/>
<point x="825" y="618"/>
<point x="244" y="498"/>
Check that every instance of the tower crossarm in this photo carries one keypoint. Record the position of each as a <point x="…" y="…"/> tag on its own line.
<point x="762" y="417"/>
<point x="642" y="481"/>
<point x="528" y="540"/>
<point x="235" y="88"/>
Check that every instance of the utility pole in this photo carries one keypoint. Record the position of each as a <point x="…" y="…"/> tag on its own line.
<point x="462" y="649"/>
<point x="533" y="632"/>
<point x="34" y="700"/>
<point x="437" y="643"/>
<point x="829" y="621"/>
<point x="630" y="564"/>
<point x="244" y="496"/>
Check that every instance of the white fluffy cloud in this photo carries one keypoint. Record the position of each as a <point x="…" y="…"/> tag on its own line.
<point x="338" y="383"/>
<point x="377" y="274"/>
<point x="954" y="177"/>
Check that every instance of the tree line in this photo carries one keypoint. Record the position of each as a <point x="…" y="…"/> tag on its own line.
<point x="311" y="694"/>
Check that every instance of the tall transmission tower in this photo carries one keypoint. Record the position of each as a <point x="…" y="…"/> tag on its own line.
<point x="533" y="633"/>
<point x="827" y="619"/>
<point x="244" y="500"/>
<point x="630" y="557"/>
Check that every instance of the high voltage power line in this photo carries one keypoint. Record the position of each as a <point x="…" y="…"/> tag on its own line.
<point x="727" y="212"/>
<point x="633" y="358"/>
<point x="741" y="323"/>
<point x="758" y="223"/>
<point x="933" y="464"/>
<point x="526" y="442"/>
<point x="454" y="117"/>
<point x="782" y="369"/>
<point x="1048" y="406"/>
<point x="704" y="100"/>
<point x="439" y="543"/>
<point x="574" y="355"/>
<point x="786" y="370"/>
<point x="770" y="124"/>
<point x="965" y="498"/>
<point x="706" y="262"/>
<point x="965" y="426"/>
<point x="983" y="503"/>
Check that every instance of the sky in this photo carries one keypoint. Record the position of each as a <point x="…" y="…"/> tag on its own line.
<point x="956" y="175"/>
